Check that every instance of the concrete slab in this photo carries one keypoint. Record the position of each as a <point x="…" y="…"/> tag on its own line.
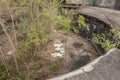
<point x="106" y="67"/>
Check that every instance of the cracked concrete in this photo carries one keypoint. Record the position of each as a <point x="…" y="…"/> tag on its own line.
<point x="106" y="67"/>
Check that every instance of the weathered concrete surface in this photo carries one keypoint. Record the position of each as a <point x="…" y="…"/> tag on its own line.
<point x="106" y="67"/>
<point x="84" y="2"/>
<point x="100" y="3"/>
<point x="108" y="16"/>
<point x="117" y="5"/>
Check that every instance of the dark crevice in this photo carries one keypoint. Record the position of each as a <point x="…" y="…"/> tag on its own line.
<point x="95" y="26"/>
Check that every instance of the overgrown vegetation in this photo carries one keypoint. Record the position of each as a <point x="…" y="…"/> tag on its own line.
<point x="26" y="25"/>
<point x="81" y="21"/>
<point x="107" y="40"/>
<point x="64" y="23"/>
<point x="26" y="30"/>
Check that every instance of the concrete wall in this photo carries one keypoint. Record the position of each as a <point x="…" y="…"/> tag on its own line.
<point x="106" y="67"/>
<point x="100" y="3"/>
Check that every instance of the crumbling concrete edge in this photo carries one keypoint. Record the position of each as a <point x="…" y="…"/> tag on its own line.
<point x="87" y="68"/>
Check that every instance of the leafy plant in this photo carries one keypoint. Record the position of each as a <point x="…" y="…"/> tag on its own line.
<point x="3" y="71"/>
<point x="107" y="42"/>
<point x="29" y="32"/>
<point x="15" y="78"/>
<point x="64" y="23"/>
<point x="81" y="21"/>
<point x="54" y="66"/>
<point x="116" y="36"/>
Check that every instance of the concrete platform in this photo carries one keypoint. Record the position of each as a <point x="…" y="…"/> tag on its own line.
<point x="106" y="67"/>
<point x="108" y="16"/>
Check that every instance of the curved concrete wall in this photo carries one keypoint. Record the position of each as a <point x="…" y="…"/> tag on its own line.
<point x="106" y="67"/>
<point x="102" y="3"/>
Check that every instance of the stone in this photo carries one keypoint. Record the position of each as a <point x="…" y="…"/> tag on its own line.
<point x="88" y="68"/>
<point x="70" y="42"/>
<point x="106" y="67"/>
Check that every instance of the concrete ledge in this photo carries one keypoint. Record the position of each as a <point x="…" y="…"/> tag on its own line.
<point x="99" y="69"/>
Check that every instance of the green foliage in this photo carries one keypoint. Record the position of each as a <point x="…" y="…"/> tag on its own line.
<point x="107" y="41"/>
<point x="15" y="78"/>
<point x="54" y="66"/>
<point x="24" y="2"/>
<point x="34" y="27"/>
<point x="81" y="21"/>
<point x="64" y="23"/>
<point x="75" y="29"/>
<point x="31" y="27"/>
<point x="3" y="72"/>
<point x="101" y="40"/>
<point x="116" y="36"/>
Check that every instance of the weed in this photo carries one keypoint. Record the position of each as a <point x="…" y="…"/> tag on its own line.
<point x="28" y="36"/>
<point x="64" y="23"/>
<point x="54" y="66"/>
<point x="3" y="71"/>
<point x="15" y="78"/>
<point x="107" y="42"/>
<point x="81" y="21"/>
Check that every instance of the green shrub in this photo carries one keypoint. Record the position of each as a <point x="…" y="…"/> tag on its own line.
<point x="15" y="78"/>
<point x="116" y="36"/>
<point x="81" y="21"/>
<point x="54" y="66"/>
<point x="107" y="41"/>
<point x="28" y="36"/>
<point x="3" y="71"/>
<point x="64" y="23"/>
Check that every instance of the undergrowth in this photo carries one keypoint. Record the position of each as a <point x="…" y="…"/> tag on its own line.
<point x="107" y="41"/>
<point x="64" y="23"/>
<point x="26" y="30"/>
